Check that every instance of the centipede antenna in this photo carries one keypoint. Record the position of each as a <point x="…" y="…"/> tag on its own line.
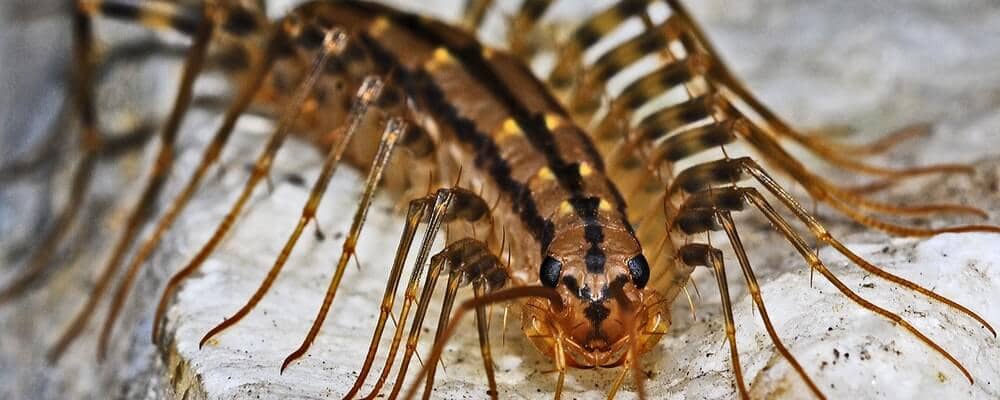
<point x="143" y="208"/>
<point x="208" y="158"/>
<point x="734" y="241"/>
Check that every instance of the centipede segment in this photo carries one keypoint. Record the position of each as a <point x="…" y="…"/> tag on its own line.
<point x="587" y="204"/>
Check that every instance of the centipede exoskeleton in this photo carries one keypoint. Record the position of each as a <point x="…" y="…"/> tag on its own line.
<point x="582" y="196"/>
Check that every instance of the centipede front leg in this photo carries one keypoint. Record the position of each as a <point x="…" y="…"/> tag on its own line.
<point x="571" y="182"/>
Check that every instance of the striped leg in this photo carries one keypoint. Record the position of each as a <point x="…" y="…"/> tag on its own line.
<point x="91" y="142"/>
<point x="445" y="206"/>
<point x="367" y="94"/>
<point x="333" y="43"/>
<point x="703" y="209"/>
<point x="499" y="296"/>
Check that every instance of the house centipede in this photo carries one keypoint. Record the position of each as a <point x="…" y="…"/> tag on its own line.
<point x="530" y="177"/>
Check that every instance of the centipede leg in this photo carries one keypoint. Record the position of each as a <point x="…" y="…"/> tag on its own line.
<point x="838" y="158"/>
<point x="415" y="215"/>
<point x="499" y="296"/>
<point x="40" y="259"/>
<point x="90" y="143"/>
<point x="209" y="156"/>
<point x="333" y="44"/>
<point x="482" y="327"/>
<point x="437" y="264"/>
<point x="727" y="311"/>
<point x="141" y="210"/>
<point x="474" y="13"/>
<point x="393" y="131"/>
<point x="442" y="201"/>
<point x="741" y="255"/>
<point x="823" y="235"/>
<point x="822" y="189"/>
<point x="815" y="263"/>
<point x="468" y="259"/>
<point x="367" y="94"/>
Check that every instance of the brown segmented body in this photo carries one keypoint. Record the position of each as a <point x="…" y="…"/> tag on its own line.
<point x="481" y="120"/>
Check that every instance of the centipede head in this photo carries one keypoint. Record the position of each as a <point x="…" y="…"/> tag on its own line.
<point x="608" y="311"/>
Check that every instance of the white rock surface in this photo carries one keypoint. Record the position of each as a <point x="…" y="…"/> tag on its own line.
<point x="873" y="66"/>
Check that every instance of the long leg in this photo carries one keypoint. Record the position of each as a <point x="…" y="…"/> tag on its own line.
<point x="418" y="210"/>
<point x="731" y="198"/>
<point x="468" y="260"/>
<point x="819" y="147"/>
<point x="367" y="94"/>
<point x="442" y="202"/>
<point x="90" y="144"/>
<point x="470" y="305"/>
<point x="393" y="131"/>
<point x="715" y="262"/>
<point x="823" y="235"/>
<point x="741" y="255"/>
<point x="141" y="210"/>
<point x="208" y="158"/>
<point x="334" y="42"/>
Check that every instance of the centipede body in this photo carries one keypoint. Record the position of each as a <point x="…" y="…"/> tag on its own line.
<point x="279" y="239"/>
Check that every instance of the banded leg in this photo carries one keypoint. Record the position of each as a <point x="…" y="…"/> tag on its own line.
<point x="209" y="156"/>
<point x="499" y="296"/>
<point x="367" y="94"/>
<point x="469" y="260"/>
<point x="836" y="156"/>
<point x="91" y="142"/>
<point x="701" y="254"/>
<point x="712" y="258"/>
<point x="698" y="215"/>
<point x="143" y="207"/>
<point x="443" y="207"/>
<point x="735" y="166"/>
<point x="333" y="43"/>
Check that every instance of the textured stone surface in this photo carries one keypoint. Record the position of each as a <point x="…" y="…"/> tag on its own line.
<point x="871" y="66"/>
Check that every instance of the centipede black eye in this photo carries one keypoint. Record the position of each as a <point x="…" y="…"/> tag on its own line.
<point x="638" y="269"/>
<point x="550" y="271"/>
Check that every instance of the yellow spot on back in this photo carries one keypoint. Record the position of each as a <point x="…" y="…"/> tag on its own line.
<point x="604" y="205"/>
<point x="546" y="174"/>
<point x="585" y="169"/>
<point x="380" y="25"/>
<point x="154" y="20"/>
<point x="441" y="57"/>
<point x="554" y="121"/>
<point x="509" y="128"/>
<point x="487" y="53"/>
<point x="565" y="208"/>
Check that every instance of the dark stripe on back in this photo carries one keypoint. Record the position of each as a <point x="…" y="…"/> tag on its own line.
<point x="487" y="153"/>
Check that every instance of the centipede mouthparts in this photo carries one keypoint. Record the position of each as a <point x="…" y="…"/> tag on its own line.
<point x="565" y="188"/>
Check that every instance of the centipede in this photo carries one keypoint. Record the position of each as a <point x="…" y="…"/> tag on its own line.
<point x="576" y="198"/>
